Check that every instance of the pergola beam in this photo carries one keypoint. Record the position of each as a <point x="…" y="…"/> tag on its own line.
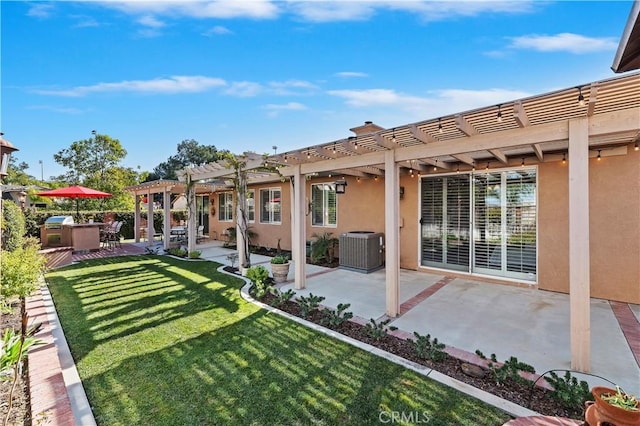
<point x="421" y="135"/>
<point x="537" y="148"/>
<point x="464" y="126"/>
<point x="464" y="158"/>
<point x="499" y="155"/>
<point x="520" y="115"/>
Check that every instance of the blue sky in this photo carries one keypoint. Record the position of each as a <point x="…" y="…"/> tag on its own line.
<point x="248" y="75"/>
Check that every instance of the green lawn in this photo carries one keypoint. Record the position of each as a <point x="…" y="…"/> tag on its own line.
<point x="159" y="341"/>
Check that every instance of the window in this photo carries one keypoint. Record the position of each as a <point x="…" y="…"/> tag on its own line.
<point x="324" y="205"/>
<point x="225" y="207"/>
<point x="251" y="205"/>
<point x="270" y="205"/>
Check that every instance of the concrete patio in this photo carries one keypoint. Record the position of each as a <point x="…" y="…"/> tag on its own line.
<point x="530" y="324"/>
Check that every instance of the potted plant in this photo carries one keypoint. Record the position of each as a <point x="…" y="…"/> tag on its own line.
<point x="280" y="268"/>
<point x="613" y="406"/>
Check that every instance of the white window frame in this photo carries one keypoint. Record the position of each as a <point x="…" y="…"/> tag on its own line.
<point x="270" y="220"/>
<point x="325" y="206"/>
<point x="251" y="207"/>
<point x="225" y="214"/>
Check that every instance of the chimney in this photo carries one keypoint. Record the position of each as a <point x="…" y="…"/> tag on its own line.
<point x="367" y="128"/>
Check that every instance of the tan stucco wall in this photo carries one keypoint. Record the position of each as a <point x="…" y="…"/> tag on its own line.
<point x="614" y="218"/>
<point x="614" y="222"/>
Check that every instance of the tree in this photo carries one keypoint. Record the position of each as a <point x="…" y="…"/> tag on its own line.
<point x="190" y="153"/>
<point x="90" y="158"/>
<point x="16" y="173"/>
<point x="95" y="163"/>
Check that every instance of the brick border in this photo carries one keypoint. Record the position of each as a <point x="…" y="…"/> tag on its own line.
<point x="629" y="325"/>
<point x="48" y="394"/>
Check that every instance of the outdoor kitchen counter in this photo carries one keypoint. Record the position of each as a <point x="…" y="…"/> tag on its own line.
<point x="82" y="236"/>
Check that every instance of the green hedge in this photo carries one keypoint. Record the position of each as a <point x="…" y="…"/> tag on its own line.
<point x="37" y="218"/>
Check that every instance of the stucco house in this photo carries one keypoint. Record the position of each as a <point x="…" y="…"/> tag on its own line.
<point x="542" y="192"/>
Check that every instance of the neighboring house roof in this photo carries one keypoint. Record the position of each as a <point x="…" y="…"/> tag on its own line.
<point x="173" y="186"/>
<point x="628" y="55"/>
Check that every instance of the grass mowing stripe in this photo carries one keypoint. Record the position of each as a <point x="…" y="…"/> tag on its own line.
<point x="161" y="341"/>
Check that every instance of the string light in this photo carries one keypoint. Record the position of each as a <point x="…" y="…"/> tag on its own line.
<point x="285" y="158"/>
<point x="440" y="125"/>
<point x="334" y="147"/>
<point x="308" y="154"/>
<point x="635" y="146"/>
<point x="580" y="97"/>
<point x="599" y="156"/>
<point x="375" y="178"/>
<point x="499" y="116"/>
<point x="435" y="168"/>
<point x="458" y="168"/>
<point x="564" y="158"/>
<point x="473" y="166"/>
<point x="522" y="164"/>
<point x="393" y="135"/>
<point x="355" y="144"/>
<point x="487" y="168"/>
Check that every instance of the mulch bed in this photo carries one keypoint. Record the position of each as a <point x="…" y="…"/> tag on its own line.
<point x="20" y="411"/>
<point x="534" y="398"/>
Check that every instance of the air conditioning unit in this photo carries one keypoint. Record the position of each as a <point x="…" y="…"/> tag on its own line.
<point x="362" y="251"/>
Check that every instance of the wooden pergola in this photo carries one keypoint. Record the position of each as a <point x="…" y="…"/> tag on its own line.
<point x="165" y="187"/>
<point x="600" y="118"/>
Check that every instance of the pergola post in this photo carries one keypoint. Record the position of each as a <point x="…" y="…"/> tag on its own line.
<point x="579" y="261"/>
<point x="136" y="219"/>
<point x="191" y="215"/>
<point x="299" y="235"/>
<point x="149" y="218"/>
<point x="392" y="233"/>
<point x="166" y="223"/>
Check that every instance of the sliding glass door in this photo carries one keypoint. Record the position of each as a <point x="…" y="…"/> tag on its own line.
<point x="445" y="222"/>
<point x="481" y="222"/>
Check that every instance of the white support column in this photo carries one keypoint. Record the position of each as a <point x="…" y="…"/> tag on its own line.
<point x="299" y="234"/>
<point x="579" y="262"/>
<point x="192" y="219"/>
<point x="166" y="222"/>
<point x="392" y="233"/>
<point x="149" y="218"/>
<point x="136" y="219"/>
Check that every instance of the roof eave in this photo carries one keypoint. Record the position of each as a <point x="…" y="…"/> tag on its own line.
<point x="628" y="55"/>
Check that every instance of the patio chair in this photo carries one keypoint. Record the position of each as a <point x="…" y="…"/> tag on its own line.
<point x="157" y="233"/>
<point x="111" y="235"/>
<point x="200" y="234"/>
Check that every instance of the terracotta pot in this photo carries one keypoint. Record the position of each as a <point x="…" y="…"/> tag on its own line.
<point x="280" y="271"/>
<point x="609" y="413"/>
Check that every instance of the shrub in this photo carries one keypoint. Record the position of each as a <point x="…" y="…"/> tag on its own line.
<point x="21" y="270"/>
<point x="13" y="226"/>
<point x="378" y="331"/>
<point x="177" y="251"/>
<point x="320" y="247"/>
<point x="279" y="259"/>
<point x="259" y="276"/>
<point x="335" y="318"/>
<point x="568" y="391"/>
<point x="195" y="254"/>
<point x="426" y="348"/>
<point x="308" y="304"/>
<point x="509" y="370"/>
<point x="279" y="297"/>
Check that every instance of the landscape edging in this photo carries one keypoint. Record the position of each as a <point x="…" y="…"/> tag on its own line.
<point x="502" y="404"/>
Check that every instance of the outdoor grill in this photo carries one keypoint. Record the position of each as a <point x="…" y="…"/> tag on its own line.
<point x="52" y="230"/>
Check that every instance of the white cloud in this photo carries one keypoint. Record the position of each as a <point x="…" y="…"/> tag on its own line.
<point x="61" y="110"/>
<point x="85" y="21"/>
<point x="244" y="89"/>
<point x="217" y="30"/>
<point x="224" y="9"/>
<point x="151" y="22"/>
<point x="171" y="85"/>
<point x="318" y="11"/>
<point x="291" y="87"/>
<point x="563" y="42"/>
<point x="425" y="10"/>
<point x="275" y="109"/>
<point x="440" y="102"/>
<point x="291" y="106"/>
<point x="350" y="74"/>
<point x="40" y="10"/>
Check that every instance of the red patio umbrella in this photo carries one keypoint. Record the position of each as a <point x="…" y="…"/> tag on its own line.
<point x="76" y="192"/>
